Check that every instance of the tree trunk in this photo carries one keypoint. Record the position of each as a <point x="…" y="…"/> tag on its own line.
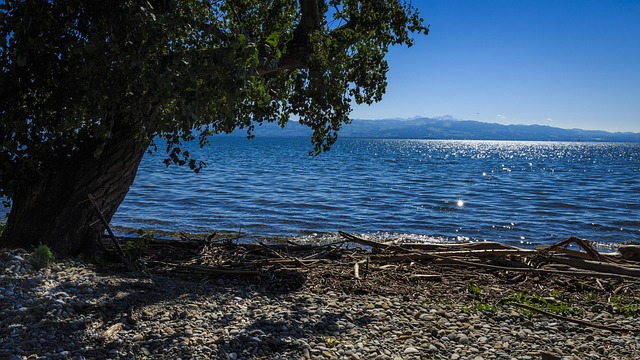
<point x="54" y="209"/>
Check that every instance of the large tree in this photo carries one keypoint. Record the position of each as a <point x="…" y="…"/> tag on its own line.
<point x="86" y="87"/>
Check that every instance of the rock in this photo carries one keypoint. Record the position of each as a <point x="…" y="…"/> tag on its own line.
<point x="59" y="313"/>
<point x="547" y="355"/>
<point x="411" y="350"/>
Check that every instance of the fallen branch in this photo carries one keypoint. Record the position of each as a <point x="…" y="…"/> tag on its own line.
<point x="576" y="321"/>
<point x="204" y="268"/>
<point x="105" y="223"/>
<point x="589" y="251"/>
<point x="372" y="244"/>
<point x="598" y="266"/>
<point x="539" y="271"/>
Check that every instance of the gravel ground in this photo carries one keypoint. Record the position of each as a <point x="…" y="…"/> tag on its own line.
<point x="72" y="310"/>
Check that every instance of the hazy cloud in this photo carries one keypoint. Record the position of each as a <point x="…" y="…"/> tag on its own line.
<point x="549" y="119"/>
<point x="502" y="117"/>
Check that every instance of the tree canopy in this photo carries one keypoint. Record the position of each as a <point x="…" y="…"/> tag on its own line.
<point x="78" y="77"/>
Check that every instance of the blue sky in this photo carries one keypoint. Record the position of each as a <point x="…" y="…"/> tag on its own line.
<point x="562" y="63"/>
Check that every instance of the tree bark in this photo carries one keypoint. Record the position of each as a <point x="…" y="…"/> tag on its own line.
<point x="54" y="210"/>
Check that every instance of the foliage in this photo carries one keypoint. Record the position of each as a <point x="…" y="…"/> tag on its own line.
<point x="626" y="306"/>
<point x="41" y="256"/>
<point x="537" y="301"/>
<point x="479" y="302"/>
<point x="474" y="289"/>
<point x="136" y="249"/>
<point x="74" y="73"/>
<point x="556" y="294"/>
<point x="482" y="306"/>
<point x="331" y="341"/>
<point x="146" y="236"/>
<point x="591" y="297"/>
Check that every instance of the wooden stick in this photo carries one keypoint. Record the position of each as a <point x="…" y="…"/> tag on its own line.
<point x="373" y="244"/>
<point x="590" y="251"/>
<point x="576" y="321"/>
<point x="599" y="266"/>
<point x="534" y="270"/>
<point x="106" y="225"/>
<point x="482" y="245"/>
<point x="204" y="268"/>
<point x="271" y="250"/>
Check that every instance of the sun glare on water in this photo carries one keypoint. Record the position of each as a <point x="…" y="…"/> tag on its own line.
<point x="460" y="203"/>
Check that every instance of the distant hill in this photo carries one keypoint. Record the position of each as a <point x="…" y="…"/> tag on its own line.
<point x="452" y="129"/>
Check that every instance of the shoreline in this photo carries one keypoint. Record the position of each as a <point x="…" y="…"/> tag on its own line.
<point x="76" y="310"/>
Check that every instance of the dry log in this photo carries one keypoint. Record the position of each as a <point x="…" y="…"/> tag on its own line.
<point x="484" y="245"/>
<point x="479" y="246"/>
<point x="595" y="266"/>
<point x="546" y="249"/>
<point x="540" y="271"/>
<point x="418" y="256"/>
<point x="373" y="244"/>
<point x="590" y="252"/>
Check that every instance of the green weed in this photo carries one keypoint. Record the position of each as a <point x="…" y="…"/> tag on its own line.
<point x="626" y="306"/>
<point x="331" y="341"/>
<point x="556" y="294"/>
<point x="482" y="306"/>
<point x="591" y="297"/>
<point x="537" y="301"/>
<point x="41" y="257"/>
<point x="474" y="289"/>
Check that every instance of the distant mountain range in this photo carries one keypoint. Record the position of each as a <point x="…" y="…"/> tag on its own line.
<point x="451" y="129"/>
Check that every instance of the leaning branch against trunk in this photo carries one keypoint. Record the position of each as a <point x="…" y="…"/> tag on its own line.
<point x="105" y="223"/>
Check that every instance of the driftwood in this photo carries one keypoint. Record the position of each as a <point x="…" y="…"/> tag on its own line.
<point x="589" y="252"/>
<point x="462" y="254"/>
<point x="358" y="265"/>
<point x="596" y="266"/>
<point x="208" y="256"/>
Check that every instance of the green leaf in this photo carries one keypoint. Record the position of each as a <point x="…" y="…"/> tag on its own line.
<point x="273" y="40"/>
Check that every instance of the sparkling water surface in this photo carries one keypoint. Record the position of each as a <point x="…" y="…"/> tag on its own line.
<point x="522" y="193"/>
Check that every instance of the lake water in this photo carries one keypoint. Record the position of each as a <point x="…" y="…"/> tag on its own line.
<point x="522" y="193"/>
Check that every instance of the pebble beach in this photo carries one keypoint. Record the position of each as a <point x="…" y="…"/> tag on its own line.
<point x="74" y="310"/>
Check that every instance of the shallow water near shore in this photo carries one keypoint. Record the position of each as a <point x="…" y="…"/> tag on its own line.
<point x="520" y="193"/>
